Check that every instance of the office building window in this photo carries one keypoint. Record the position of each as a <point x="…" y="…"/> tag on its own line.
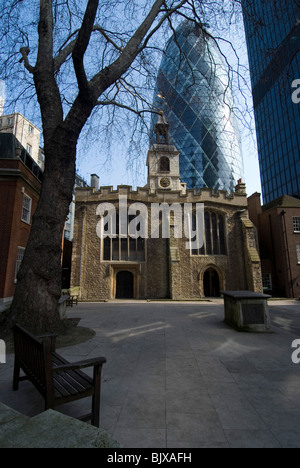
<point x="267" y="281"/>
<point x="20" y="255"/>
<point x="29" y="149"/>
<point x="30" y="129"/>
<point x="296" y="221"/>
<point x="298" y="253"/>
<point x="26" y="209"/>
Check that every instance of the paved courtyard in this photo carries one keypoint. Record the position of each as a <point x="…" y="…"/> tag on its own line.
<point x="178" y="377"/>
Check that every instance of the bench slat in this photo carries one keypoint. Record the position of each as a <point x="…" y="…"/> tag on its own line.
<point x="81" y="377"/>
<point x="64" y="386"/>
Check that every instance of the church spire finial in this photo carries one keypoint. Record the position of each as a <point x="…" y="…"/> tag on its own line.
<point x="162" y="130"/>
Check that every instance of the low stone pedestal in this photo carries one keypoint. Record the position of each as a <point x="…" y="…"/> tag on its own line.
<point x="50" y="429"/>
<point x="247" y="311"/>
<point x="62" y="307"/>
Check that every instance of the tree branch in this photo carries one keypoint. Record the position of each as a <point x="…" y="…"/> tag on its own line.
<point x="105" y="78"/>
<point x="165" y="17"/>
<point x="60" y="59"/>
<point x="25" y="51"/>
<point x="67" y="49"/>
<point x="123" y="106"/>
<point x="45" y="30"/>
<point x="81" y="46"/>
<point x="46" y="87"/>
<point x="107" y="37"/>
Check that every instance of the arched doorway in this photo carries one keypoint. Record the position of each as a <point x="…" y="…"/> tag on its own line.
<point x="125" y="285"/>
<point x="211" y="283"/>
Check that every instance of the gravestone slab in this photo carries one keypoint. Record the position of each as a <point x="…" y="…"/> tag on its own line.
<point x="247" y="311"/>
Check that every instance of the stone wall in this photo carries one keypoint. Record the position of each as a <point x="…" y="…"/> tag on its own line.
<point x="169" y="269"/>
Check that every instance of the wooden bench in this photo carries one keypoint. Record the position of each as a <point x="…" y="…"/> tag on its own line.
<point x="57" y="380"/>
<point x="72" y="299"/>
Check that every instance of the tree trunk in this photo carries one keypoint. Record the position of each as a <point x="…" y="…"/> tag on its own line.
<point x="35" y="303"/>
<point x="39" y="279"/>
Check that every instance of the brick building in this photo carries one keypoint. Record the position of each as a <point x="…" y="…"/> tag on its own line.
<point x="142" y="264"/>
<point x="20" y="183"/>
<point x="278" y="226"/>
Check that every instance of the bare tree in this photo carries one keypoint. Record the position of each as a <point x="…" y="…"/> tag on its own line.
<point x="78" y="57"/>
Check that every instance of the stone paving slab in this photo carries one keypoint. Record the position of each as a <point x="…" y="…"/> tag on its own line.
<point x="178" y="377"/>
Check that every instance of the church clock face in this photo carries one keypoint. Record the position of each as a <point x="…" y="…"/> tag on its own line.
<point x="165" y="182"/>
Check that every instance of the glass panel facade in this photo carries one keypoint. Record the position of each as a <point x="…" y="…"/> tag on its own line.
<point x="192" y="90"/>
<point x="273" y="37"/>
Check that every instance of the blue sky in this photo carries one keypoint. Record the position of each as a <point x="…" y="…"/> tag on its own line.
<point x="115" y="168"/>
<point x="116" y="173"/>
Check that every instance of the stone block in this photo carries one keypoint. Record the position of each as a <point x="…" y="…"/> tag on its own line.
<point x="247" y="311"/>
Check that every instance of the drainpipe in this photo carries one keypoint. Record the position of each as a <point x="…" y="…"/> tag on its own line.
<point x="83" y="212"/>
<point x="283" y="213"/>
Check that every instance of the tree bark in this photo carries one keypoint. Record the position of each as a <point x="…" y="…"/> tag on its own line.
<point x="39" y="279"/>
<point x="35" y="303"/>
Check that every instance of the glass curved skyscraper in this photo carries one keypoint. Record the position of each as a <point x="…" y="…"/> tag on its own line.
<point x="194" y="93"/>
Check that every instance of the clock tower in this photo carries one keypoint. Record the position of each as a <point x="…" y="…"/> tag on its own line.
<point x="163" y="161"/>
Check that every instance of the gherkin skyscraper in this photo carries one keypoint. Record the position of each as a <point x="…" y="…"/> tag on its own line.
<point x="194" y="92"/>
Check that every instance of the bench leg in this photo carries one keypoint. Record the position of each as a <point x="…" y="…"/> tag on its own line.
<point x="96" y="397"/>
<point x="48" y="405"/>
<point x="16" y="376"/>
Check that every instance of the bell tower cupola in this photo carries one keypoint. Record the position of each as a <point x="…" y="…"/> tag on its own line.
<point x="163" y="161"/>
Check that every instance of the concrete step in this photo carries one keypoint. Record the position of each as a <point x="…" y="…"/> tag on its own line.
<point x="49" y="429"/>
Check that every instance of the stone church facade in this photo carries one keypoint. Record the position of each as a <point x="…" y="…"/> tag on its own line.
<point x="135" y="260"/>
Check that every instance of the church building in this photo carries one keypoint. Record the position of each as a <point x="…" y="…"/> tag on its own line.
<point x="163" y="241"/>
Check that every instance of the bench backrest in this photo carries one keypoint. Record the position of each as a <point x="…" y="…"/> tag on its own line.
<point x="34" y="358"/>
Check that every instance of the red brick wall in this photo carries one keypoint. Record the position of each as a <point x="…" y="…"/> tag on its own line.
<point x="14" y="232"/>
<point x="277" y="248"/>
<point x="292" y="239"/>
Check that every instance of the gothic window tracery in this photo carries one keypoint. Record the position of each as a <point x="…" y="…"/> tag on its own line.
<point x="123" y="249"/>
<point x="214" y="235"/>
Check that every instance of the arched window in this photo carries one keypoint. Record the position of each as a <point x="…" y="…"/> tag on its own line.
<point x="164" y="164"/>
<point x="215" y="235"/>
<point x="222" y="238"/>
<point x="208" y="234"/>
<point x="125" y="249"/>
